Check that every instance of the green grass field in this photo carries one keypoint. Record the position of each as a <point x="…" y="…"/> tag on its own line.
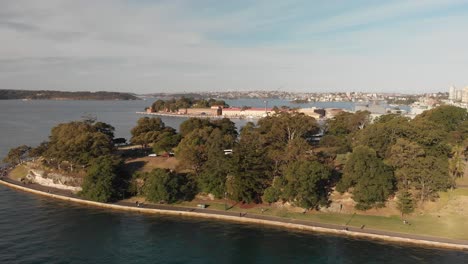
<point x="442" y="219"/>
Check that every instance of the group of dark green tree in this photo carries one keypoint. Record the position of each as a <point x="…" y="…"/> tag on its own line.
<point x="174" y="105"/>
<point x="394" y="155"/>
<point x="277" y="159"/>
<point x="46" y="95"/>
<point x="81" y="146"/>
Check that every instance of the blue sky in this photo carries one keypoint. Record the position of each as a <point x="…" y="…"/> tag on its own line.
<point x="149" y="46"/>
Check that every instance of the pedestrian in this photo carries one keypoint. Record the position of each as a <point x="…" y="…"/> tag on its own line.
<point x="263" y="210"/>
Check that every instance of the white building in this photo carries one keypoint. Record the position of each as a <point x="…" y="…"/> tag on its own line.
<point x="464" y="98"/>
<point x="452" y="93"/>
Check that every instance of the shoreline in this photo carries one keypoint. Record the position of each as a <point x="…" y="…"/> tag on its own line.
<point x="292" y="224"/>
<point x="199" y="116"/>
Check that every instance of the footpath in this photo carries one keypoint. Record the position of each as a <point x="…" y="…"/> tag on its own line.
<point x="420" y="240"/>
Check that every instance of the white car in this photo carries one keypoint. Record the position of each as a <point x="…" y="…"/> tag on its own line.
<point x="153" y="155"/>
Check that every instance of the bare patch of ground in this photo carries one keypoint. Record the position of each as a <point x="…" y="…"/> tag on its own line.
<point x="146" y="164"/>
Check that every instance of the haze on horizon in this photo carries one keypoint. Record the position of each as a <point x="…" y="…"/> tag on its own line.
<point x="146" y="46"/>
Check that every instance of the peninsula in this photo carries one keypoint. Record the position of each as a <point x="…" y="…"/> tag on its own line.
<point x="393" y="176"/>
<point x="62" y="95"/>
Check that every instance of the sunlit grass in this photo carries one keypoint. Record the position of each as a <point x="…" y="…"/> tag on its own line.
<point x="19" y="172"/>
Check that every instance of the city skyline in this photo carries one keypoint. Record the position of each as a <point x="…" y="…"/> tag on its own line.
<point x="147" y="46"/>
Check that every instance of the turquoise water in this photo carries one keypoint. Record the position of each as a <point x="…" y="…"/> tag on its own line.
<point x="35" y="229"/>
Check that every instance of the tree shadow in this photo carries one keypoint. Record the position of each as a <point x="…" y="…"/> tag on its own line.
<point x="132" y="167"/>
<point x="232" y="206"/>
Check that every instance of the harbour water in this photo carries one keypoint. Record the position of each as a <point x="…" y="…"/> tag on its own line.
<point x="35" y="229"/>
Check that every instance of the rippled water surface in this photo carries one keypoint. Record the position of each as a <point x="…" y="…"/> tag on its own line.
<point x="35" y="229"/>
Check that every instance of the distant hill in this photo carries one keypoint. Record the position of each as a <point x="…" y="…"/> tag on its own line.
<point x="61" y="95"/>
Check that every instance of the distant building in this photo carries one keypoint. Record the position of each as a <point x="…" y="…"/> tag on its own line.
<point x="452" y="93"/>
<point x="375" y="107"/>
<point x="465" y="95"/>
<point x="458" y="95"/>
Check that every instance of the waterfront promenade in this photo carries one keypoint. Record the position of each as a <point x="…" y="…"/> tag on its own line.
<point x="420" y="240"/>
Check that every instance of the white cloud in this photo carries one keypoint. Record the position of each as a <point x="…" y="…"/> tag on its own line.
<point x="115" y="45"/>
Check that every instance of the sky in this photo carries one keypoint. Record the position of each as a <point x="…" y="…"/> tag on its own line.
<point x="145" y="46"/>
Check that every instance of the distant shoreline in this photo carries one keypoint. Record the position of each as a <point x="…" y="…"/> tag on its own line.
<point x="294" y="224"/>
<point x="28" y="95"/>
<point x="198" y="116"/>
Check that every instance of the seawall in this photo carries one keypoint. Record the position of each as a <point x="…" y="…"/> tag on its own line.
<point x="250" y="220"/>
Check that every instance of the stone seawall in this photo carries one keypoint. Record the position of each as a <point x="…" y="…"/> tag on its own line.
<point x="53" y="180"/>
<point x="250" y="220"/>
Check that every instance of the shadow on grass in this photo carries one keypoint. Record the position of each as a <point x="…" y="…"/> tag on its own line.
<point x="132" y="167"/>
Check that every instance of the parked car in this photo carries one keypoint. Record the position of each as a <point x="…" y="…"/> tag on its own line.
<point x="153" y="155"/>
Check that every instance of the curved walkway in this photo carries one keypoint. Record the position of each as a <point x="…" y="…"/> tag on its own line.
<point x="248" y="218"/>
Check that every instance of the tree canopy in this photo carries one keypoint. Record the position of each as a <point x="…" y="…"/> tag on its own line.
<point x="103" y="181"/>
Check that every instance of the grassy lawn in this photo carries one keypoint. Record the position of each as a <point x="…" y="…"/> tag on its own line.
<point x="438" y="221"/>
<point x="18" y="172"/>
<point x="446" y="217"/>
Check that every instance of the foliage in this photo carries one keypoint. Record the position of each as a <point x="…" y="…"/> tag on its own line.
<point x="203" y="147"/>
<point x="371" y="179"/>
<point x="79" y="142"/>
<point x="405" y="202"/>
<point x="153" y="130"/>
<point x="273" y="193"/>
<point x="250" y="171"/>
<point x="173" y="105"/>
<point x="192" y="124"/>
<point x="457" y="164"/>
<point x="307" y="183"/>
<point x="428" y="175"/>
<point x="383" y="133"/>
<point x="16" y="155"/>
<point x="400" y="157"/>
<point x="214" y="171"/>
<point x="39" y="150"/>
<point x="103" y="181"/>
<point x="448" y="117"/>
<point x="346" y="123"/>
<point x="166" y="186"/>
<point x="42" y="95"/>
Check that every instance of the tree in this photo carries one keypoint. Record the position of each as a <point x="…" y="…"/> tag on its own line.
<point x="400" y="157"/>
<point x="104" y="128"/>
<point x="39" y="150"/>
<point x="274" y="192"/>
<point x="428" y="175"/>
<point x="371" y="179"/>
<point x="285" y="137"/>
<point x="192" y="124"/>
<point x="307" y="183"/>
<point x="212" y="178"/>
<point x="250" y="169"/>
<point x="77" y="143"/>
<point x="191" y="150"/>
<point x="383" y="133"/>
<point x="102" y="182"/>
<point x="166" y="140"/>
<point x="166" y="186"/>
<point x="456" y="164"/>
<point x="346" y="123"/>
<point x="448" y="116"/>
<point x="154" y="131"/>
<point x="405" y="203"/>
<point x="284" y="127"/>
<point x="16" y="155"/>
